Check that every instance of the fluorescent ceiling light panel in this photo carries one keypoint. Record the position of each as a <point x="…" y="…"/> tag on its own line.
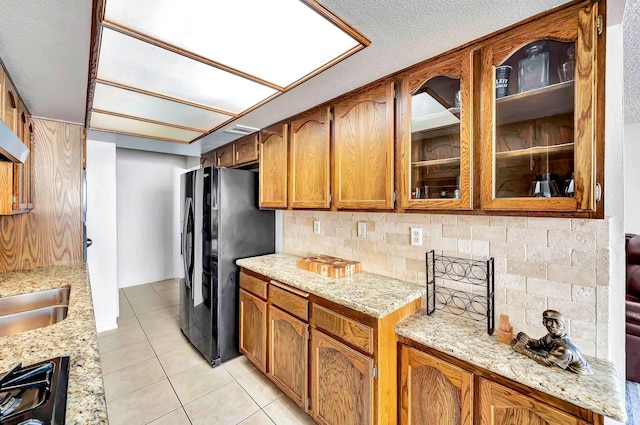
<point x="134" y="63"/>
<point x="279" y="41"/>
<point x="106" y="122"/>
<point x="127" y="102"/>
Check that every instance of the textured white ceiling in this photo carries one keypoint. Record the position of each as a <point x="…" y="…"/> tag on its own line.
<point x="631" y="47"/>
<point x="45" y="46"/>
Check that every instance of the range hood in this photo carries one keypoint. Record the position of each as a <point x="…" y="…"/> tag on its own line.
<point x="10" y="146"/>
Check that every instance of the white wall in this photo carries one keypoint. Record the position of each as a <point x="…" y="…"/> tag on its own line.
<point x="148" y="215"/>
<point x="614" y="192"/>
<point x="632" y="178"/>
<point x="102" y="256"/>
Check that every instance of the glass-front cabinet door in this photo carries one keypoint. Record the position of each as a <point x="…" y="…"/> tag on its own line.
<point x="538" y="115"/>
<point x="435" y="133"/>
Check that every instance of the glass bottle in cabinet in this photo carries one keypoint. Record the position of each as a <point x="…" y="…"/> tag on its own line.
<point x="538" y="133"/>
<point x="435" y="130"/>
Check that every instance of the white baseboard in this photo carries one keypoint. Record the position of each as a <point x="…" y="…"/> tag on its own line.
<point x="109" y="327"/>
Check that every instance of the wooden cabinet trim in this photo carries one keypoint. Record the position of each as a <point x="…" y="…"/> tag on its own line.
<point x="289" y="302"/>
<point x="360" y="317"/>
<point x="350" y="331"/>
<point x="253" y="284"/>
<point x="288" y="288"/>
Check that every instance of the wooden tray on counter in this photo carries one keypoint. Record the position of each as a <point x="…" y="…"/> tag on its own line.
<point x="329" y="266"/>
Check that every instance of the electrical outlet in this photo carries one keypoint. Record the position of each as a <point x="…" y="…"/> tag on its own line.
<point x="416" y="236"/>
<point x="316" y="227"/>
<point x="362" y="229"/>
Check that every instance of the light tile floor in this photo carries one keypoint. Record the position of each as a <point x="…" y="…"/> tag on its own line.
<point x="152" y="375"/>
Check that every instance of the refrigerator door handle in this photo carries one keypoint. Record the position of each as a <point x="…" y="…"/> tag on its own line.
<point x="187" y="251"/>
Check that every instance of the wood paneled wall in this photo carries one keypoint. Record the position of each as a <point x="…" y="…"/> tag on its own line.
<point x="51" y="234"/>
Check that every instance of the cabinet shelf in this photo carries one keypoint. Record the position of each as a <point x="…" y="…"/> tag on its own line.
<point x="547" y="101"/>
<point x="443" y="161"/>
<point x="536" y="151"/>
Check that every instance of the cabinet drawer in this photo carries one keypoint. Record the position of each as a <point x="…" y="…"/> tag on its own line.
<point x="288" y="301"/>
<point x="357" y="334"/>
<point x="254" y="285"/>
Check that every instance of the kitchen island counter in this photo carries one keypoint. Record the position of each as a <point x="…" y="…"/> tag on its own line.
<point x="74" y="336"/>
<point x="468" y="341"/>
<point x="368" y="293"/>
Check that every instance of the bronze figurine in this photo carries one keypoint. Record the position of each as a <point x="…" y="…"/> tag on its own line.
<point x="554" y="348"/>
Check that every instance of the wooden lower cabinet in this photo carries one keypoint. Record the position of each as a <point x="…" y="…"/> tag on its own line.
<point x="503" y="406"/>
<point x="434" y="392"/>
<point x="253" y="329"/>
<point x="288" y="354"/>
<point x="438" y="389"/>
<point x="341" y="383"/>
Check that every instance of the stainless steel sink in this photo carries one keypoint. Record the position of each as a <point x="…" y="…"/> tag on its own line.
<point x="34" y="300"/>
<point x="33" y="319"/>
<point x="21" y="313"/>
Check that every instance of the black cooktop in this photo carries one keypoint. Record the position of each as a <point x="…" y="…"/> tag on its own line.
<point x="36" y="394"/>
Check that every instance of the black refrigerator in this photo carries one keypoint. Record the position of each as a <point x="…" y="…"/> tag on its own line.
<point x="221" y="222"/>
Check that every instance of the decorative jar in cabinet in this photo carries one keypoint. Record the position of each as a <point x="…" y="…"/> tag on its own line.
<point x="539" y="114"/>
<point x="435" y="130"/>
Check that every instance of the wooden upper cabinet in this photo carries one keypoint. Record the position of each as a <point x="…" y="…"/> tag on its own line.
<point x="288" y="356"/>
<point x="273" y="167"/>
<point x="246" y="149"/>
<point x="341" y="383"/>
<point x="434" y="392"/>
<point x="500" y="405"/>
<point x="9" y="104"/>
<point x="309" y="162"/>
<point x="539" y="123"/>
<point x="225" y="156"/>
<point x="363" y="149"/>
<point x="435" y="132"/>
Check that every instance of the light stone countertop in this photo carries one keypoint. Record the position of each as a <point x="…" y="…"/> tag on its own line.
<point x="469" y="341"/>
<point x="75" y="336"/>
<point x="367" y="293"/>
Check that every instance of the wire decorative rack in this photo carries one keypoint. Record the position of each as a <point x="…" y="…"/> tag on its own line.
<point x="462" y="287"/>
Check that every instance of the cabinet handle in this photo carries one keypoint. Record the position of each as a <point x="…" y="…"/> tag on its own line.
<point x="218" y="161"/>
<point x="236" y="156"/>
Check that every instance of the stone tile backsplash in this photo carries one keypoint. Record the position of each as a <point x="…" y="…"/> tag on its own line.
<point x="540" y="263"/>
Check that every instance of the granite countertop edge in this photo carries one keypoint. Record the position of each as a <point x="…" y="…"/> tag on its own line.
<point x="368" y="293"/>
<point x="468" y="341"/>
<point x="74" y="336"/>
